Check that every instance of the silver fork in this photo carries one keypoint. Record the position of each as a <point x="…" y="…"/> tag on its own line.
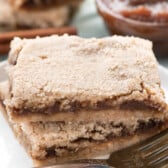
<point x="152" y="153"/>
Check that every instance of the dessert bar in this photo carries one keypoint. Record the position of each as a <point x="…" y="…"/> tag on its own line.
<point x="73" y="98"/>
<point x="71" y="74"/>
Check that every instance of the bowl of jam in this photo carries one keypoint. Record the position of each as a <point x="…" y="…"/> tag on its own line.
<point x="143" y="18"/>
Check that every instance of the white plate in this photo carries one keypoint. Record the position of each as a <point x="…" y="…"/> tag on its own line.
<point x="12" y="155"/>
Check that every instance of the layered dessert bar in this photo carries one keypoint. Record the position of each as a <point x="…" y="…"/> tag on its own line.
<point x="69" y="97"/>
<point x="71" y="74"/>
<point x="42" y="3"/>
<point x="34" y="16"/>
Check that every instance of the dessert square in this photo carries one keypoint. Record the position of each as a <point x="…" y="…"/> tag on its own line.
<point x="36" y="18"/>
<point x="73" y="98"/>
<point x="57" y="74"/>
<point x="43" y="3"/>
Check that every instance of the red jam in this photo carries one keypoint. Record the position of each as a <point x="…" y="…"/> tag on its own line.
<point x="142" y="10"/>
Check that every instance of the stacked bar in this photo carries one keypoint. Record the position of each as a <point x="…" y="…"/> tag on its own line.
<point x="69" y="97"/>
<point x="23" y="14"/>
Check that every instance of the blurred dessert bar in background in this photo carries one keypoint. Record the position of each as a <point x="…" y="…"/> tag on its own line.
<point x="43" y="3"/>
<point x="87" y="97"/>
<point x="25" y="14"/>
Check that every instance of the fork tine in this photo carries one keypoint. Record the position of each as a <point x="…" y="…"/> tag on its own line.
<point x="156" y="152"/>
<point x="152" y="153"/>
<point x="164" y="166"/>
<point x="153" y="141"/>
<point x="163" y="160"/>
